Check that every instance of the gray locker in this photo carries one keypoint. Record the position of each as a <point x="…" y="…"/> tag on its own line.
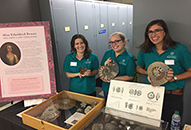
<point x="64" y="22"/>
<point x="101" y="28"/>
<point x="123" y="11"/>
<point x="130" y="29"/>
<point x="113" y="22"/>
<point x="85" y="22"/>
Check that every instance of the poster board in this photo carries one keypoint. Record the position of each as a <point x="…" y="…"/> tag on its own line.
<point x="136" y="98"/>
<point x="26" y="61"/>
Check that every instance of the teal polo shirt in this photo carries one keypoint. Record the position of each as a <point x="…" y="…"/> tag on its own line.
<point x="125" y="62"/>
<point x="178" y="54"/>
<point x="84" y="85"/>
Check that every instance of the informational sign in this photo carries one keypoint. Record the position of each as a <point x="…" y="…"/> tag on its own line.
<point x="136" y="98"/>
<point x="26" y="61"/>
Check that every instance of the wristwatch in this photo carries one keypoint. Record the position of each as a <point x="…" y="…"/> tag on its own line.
<point x="175" y="78"/>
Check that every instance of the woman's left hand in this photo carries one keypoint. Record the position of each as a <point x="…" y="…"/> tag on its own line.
<point x="87" y="73"/>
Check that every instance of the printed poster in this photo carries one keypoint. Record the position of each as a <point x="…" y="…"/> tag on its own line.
<point x="26" y="61"/>
<point x="136" y="98"/>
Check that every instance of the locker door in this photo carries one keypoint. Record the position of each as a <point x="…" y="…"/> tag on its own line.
<point x="130" y="28"/>
<point x="123" y="11"/>
<point x="64" y="22"/>
<point x="113" y="17"/>
<point x="85" y="22"/>
<point x="102" y="36"/>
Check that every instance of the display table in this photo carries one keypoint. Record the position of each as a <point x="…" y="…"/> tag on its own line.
<point x="10" y="121"/>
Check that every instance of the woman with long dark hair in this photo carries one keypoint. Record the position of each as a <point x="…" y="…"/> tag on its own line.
<point x="81" y="56"/>
<point x="159" y="46"/>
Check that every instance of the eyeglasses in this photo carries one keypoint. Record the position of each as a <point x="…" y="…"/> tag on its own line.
<point x="116" y="41"/>
<point x="156" y="31"/>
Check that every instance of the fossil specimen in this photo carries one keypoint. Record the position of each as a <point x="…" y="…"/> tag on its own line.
<point x="110" y="71"/>
<point x="157" y="71"/>
<point x="82" y="70"/>
<point x="66" y="103"/>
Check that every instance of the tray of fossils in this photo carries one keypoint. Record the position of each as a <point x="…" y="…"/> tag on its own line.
<point x="61" y="111"/>
<point x="107" y="121"/>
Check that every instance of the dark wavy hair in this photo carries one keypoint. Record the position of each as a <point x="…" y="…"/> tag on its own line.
<point x="87" y="50"/>
<point x="147" y="45"/>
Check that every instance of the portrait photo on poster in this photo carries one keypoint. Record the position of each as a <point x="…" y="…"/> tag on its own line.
<point x="10" y="53"/>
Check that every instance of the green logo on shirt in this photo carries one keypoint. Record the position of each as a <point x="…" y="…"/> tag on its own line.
<point x="122" y="62"/>
<point x="87" y="61"/>
<point x="171" y="56"/>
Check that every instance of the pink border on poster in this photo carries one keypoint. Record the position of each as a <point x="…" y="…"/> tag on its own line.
<point x="49" y="55"/>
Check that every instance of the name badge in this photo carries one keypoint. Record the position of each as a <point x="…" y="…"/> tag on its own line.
<point x="73" y="63"/>
<point x="169" y="62"/>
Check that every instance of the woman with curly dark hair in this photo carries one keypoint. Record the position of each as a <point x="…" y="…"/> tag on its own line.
<point x="159" y="47"/>
<point x="81" y="56"/>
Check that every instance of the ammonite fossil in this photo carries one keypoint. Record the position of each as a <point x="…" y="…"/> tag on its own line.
<point x="97" y="126"/>
<point x="114" y="123"/>
<point x="82" y="70"/>
<point x="50" y="113"/>
<point x="123" y="122"/>
<point x="66" y="103"/>
<point x="93" y="104"/>
<point x="157" y="71"/>
<point x="109" y="126"/>
<point x="83" y="104"/>
<point x="108" y="118"/>
<point x="109" y="71"/>
<point x="87" y="109"/>
<point x="114" y="66"/>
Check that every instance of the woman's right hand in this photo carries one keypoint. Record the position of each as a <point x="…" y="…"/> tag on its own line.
<point x="105" y="80"/>
<point x="80" y="75"/>
<point x="108" y="61"/>
<point x="149" y="79"/>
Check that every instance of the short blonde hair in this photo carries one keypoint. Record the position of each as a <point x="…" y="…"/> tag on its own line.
<point x="121" y="35"/>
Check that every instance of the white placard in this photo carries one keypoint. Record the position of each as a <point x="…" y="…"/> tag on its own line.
<point x="28" y="103"/>
<point x="136" y="98"/>
<point x="74" y="118"/>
